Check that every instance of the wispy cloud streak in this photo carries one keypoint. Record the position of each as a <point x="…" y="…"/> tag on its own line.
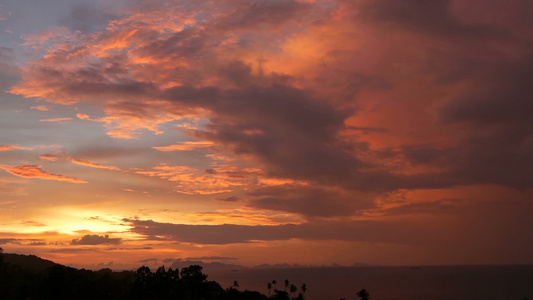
<point x="32" y="171"/>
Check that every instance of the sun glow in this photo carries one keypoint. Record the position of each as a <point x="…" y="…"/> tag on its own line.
<point x="75" y="221"/>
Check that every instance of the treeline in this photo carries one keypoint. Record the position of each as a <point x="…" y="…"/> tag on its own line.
<point x="64" y="283"/>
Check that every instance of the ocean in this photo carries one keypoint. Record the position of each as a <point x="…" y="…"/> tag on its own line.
<point x="391" y="283"/>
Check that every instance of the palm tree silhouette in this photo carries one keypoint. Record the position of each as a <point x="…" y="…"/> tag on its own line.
<point x="235" y="284"/>
<point x="293" y="290"/>
<point x="274" y="284"/>
<point x="286" y="284"/>
<point x="303" y="289"/>
<point x="363" y="294"/>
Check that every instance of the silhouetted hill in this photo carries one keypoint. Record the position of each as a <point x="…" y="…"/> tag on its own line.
<point x="31" y="263"/>
<point x="30" y="277"/>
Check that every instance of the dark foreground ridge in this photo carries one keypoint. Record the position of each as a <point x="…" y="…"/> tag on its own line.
<point x="30" y="277"/>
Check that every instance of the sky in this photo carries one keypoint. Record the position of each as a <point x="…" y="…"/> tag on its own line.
<point x="249" y="132"/>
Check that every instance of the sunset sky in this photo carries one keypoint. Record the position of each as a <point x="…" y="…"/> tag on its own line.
<point x="267" y="131"/>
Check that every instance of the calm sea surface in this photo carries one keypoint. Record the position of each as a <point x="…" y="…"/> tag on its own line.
<point x="392" y="283"/>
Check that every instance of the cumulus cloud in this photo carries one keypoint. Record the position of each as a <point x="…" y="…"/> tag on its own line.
<point x="94" y="239"/>
<point x="304" y="91"/>
<point x="265" y="116"/>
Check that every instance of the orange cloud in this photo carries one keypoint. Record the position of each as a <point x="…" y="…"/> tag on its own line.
<point x="54" y="156"/>
<point x="204" y="182"/>
<point x="185" y="146"/>
<point x="244" y="216"/>
<point x="40" y="108"/>
<point x="92" y="164"/>
<point x="82" y="116"/>
<point x="13" y="147"/>
<point x="125" y="120"/>
<point x="56" y="120"/>
<point x="51" y="146"/>
<point x="48" y="157"/>
<point x="32" y="171"/>
<point x="219" y="157"/>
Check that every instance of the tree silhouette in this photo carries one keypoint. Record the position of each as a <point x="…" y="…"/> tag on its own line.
<point x="274" y="284"/>
<point x="303" y="289"/>
<point x="363" y="294"/>
<point x="269" y="288"/>
<point x="193" y="274"/>
<point x="3" y="273"/>
<point x="280" y="295"/>
<point x="286" y="284"/>
<point x="293" y="290"/>
<point x="59" y="282"/>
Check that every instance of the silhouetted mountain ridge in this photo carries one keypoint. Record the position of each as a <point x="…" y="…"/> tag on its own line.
<point x="31" y="263"/>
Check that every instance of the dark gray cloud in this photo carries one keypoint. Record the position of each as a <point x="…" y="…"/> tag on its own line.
<point x="94" y="239"/>
<point x="184" y="263"/>
<point x="73" y="250"/>
<point x="434" y="207"/>
<point x="28" y="242"/>
<point x="211" y="258"/>
<point x="310" y="201"/>
<point x="37" y="243"/>
<point x="9" y="74"/>
<point x="388" y="232"/>
<point x="431" y="18"/>
<point x="494" y="116"/>
<point x="196" y="259"/>
<point x="228" y="199"/>
<point x="263" y="12"/>
<point x="85" y="18"/>
<point x="7" y="54"/>
<point x="491" y="112"/>
<point x="110" y="150"/>
<point x="8" y="241"/>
